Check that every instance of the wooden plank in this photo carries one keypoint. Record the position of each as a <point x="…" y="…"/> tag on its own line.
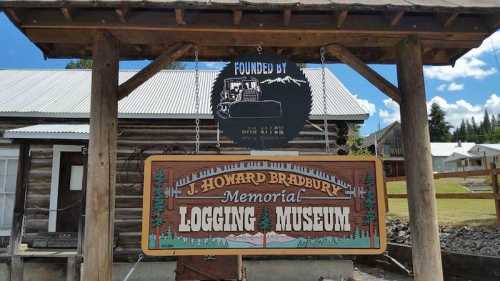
<point x="447" y="20"/>
<point x="287" y="16"/>
<point x="395" y="18"/>
<point x="170" y="55"/>
<point x="468" y="195"/>
<point x="364" y="70"/>
<point x="13" y="15"/>
<point x="99" y="212"/>
<point x="416" y="142"/>
<point x="453" y="174"/>
<point x="179" y="17"/>
<point x="496" y="190"/>
<point x="73" y="269"/>
<point x="340" y="17"/>
<point x="237" y="15"/>
<point x="16" y="268"/>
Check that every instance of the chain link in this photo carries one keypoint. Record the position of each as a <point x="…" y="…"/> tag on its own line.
<point x="325" y="107"/>
<point x="259" y="49"/>
<point x="197" y="100"/>
<point x="132" y="269"/>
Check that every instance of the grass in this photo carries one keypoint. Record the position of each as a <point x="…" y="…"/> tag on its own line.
<point x="450" y="211"/>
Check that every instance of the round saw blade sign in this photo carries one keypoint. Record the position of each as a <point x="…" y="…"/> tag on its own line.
<point x="261" y="101"/>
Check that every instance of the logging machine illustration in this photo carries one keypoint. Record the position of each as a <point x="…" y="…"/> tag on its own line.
<point x="242" y="98"/>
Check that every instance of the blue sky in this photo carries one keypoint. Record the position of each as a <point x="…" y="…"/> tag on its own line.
<point x="466" y="90"/>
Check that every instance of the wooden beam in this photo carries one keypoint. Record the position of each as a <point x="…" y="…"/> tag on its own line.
<point x="67" y="14"/>
<point x="122" y="14"/>
<point x="395" y="18"/>
<point x="237" y="15"/>
<point x="170" y="55"/>
<point x="287" y="15"/>
<point x="427" y="264"/>
<point x="13" y="15"/>
<point x="101" y="175"/>
<point x="340" y="17"/>
<point x="364" y="70"/>
<point x="447" y="20"/>
<point x="179" y="16"/>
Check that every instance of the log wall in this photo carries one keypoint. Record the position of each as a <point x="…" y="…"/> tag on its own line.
<point x="137" y="140"/>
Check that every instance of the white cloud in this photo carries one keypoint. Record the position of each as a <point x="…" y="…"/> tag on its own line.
<point x="453" y="87"/>
<point x="465" y="67"/>
<point x="470" y="65"/>
<point x="455" y="111"/>
<point x="441" y="87"/>
<point x="366" y="105"/>
<point x="391" y="114"/>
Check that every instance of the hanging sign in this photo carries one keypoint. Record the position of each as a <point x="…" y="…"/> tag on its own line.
<point x="249" y="205"/>
<point x="261" y="101"/>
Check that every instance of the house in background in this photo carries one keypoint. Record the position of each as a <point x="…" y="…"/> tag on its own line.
<point x="46" y="113"/>
<point x="387" y="144"/>
<point x="446" y="156"/>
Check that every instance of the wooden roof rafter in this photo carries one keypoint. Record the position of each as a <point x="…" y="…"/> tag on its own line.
<point x="277" y="26"/>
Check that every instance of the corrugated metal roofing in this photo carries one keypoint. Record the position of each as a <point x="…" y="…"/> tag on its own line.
<point x="329" y="3"/>
<point x="169" y="94"/>
<point x="446" y="149"/>
<point x="50" y="131"/>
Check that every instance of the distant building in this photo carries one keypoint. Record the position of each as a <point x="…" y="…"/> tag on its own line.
<point x="446" y="156"/>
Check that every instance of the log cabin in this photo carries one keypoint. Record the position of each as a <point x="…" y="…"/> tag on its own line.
<point x="45" y="112"/>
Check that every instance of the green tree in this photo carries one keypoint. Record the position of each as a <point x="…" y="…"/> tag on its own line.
<point x="265" y="225"/>
<point x="486" y="125"/>
<point x="79" y="64"/>
<point x="355" y="142"/>
<point x="370" y="205"/>
<point x="158" y="204"/>
<point x="439" y="129"/>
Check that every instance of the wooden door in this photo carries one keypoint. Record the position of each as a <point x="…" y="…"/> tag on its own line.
<point x="69" y="201"/>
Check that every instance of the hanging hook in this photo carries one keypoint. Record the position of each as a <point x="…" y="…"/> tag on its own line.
<point x="259" y="49"/>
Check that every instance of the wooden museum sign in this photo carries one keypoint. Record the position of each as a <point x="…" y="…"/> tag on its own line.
<point x="249" y="205"/>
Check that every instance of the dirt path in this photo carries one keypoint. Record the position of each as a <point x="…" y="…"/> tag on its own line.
<point x="364" y="273"/>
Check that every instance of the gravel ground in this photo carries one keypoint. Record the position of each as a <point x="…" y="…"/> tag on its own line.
<point x="477" y="240"/>
<point x="364" y="273"/>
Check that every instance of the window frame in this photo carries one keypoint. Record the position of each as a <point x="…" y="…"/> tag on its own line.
<point x="7" y="153"/>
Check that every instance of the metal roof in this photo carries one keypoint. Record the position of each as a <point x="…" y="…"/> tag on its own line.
<point x="50" y="131"/>
<point x="368" y="4"/>
<point x="169" y="94"/>
<point x="446" y="149"/>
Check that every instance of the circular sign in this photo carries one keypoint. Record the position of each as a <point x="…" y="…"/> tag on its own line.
<point x="261" y="101"/>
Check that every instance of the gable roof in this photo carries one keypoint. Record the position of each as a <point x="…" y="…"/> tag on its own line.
<point x="446" y="149"/>
<point x="379" y="135"/>
<point x="169" y="94"/>
<point x="485" y="149"/>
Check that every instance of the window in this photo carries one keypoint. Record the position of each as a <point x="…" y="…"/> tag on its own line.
<point x="8" y="177"/>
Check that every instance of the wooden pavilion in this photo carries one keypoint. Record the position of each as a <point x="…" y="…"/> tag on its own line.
<point x="407" y="33"/>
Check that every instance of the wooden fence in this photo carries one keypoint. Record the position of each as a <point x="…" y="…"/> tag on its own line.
<point x="494" y="195"/>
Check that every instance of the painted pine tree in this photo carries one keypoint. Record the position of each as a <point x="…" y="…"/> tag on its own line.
<point x="265" y="225"/>
<point x="158" y="204"/>
<point x="370" y="206"/>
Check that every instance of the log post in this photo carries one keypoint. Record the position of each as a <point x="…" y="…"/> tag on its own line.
<point x="426" y="250"/>
<point x="100" y="194"/>
<point x="386" y="196"/>
<point x="496" y="189"/>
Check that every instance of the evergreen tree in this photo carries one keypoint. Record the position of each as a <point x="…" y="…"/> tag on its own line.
<point x="486" y="125"/>
<point x="158" y="204"/>
<point x="439" y="129"/>
<point x="265" y="224"/>
<point x="79" y="64"/>
<point x="370" y="206"/>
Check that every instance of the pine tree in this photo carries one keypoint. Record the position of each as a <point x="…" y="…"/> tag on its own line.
<point x="439" y="129"/>
<point x="370" y="205"/>
<point x="158" y="204"/>
<point x="265" y="224"/>
<point x="486" y="125"/>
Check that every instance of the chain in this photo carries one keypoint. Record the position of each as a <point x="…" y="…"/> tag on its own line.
<point x="325" y="108"/>
<point x="197" y="100"/>
<point x="139" y="259"/>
